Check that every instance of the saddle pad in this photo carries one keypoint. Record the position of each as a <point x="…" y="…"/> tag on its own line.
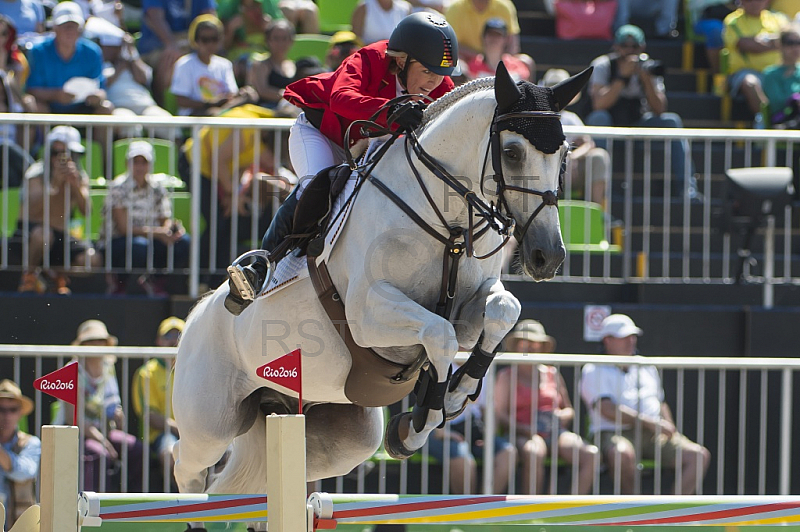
<point x="291" y="269"/>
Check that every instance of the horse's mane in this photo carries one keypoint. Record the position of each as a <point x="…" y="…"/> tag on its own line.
<point x="449" y="99"/>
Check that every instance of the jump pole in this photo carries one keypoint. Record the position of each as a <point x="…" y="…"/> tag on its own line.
<point x="59" y="479"/>
<point x="286" y="474"/>
<point x="286" y="487"/>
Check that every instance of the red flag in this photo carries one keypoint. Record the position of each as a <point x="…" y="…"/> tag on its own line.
<point x="61" y="384"/>
<point x="285" y="371"/>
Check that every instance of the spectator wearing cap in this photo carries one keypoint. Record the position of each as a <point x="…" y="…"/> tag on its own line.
<point x="543" y="413"/>
<point x="485" y="64"/>
<point x="128" y="77"/>
<point x="588" y="166"/>
<point x="343" y="44"/>
<point x="374" y="20"/>
<point x="19" y="453"/>
<point x="103" y="423"/>
<point x="625" y="398"/>
<point x="64" y="57"/>
<point x="627" y="89"/>
<point x="164" y="39"/>
<point x="55" y="187"/>
<point x="140" y="215"/>
<point x="152" y="392"/>
<point x="203" y="82"/>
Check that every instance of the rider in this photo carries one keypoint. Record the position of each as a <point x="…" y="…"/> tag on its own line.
<point x="417" y="59"/>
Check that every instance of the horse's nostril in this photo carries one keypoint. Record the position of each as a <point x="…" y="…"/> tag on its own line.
<point x="539" y="259"/>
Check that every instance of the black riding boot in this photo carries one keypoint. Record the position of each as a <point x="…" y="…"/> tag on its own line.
<point x="245" y="282"/>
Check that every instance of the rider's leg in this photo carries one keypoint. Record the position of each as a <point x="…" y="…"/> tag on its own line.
<point x="310" y="152"/>
<point x="256" y="273"/>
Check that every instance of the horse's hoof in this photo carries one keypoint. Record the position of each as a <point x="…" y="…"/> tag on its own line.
<point x="394" y="447"/>
<point x="190" y="527"/>
<point x="452" y="415"/>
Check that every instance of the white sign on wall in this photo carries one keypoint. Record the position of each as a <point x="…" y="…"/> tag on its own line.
<point x="593" y="316"/>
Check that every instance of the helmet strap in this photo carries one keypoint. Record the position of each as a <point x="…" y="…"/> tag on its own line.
<point x="403" y="74"/>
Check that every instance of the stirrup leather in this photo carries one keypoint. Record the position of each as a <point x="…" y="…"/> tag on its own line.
<point x="246" y="291"/>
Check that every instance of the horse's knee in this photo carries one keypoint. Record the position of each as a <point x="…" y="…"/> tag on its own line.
<point x="501" y="313"/>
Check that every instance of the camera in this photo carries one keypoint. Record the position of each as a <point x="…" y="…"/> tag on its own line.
<point x="653" y="67"/>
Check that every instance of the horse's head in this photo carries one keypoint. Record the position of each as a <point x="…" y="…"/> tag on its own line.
<point x="528" y="151"/>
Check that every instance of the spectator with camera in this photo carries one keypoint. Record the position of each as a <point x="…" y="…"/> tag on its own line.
<point x="627" y="89"/>
<point x="56" y="187"/>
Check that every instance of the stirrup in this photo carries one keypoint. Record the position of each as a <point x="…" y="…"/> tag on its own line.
<point x="246" y="291"/>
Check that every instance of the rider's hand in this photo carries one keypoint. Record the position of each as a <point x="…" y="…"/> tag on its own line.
<point x="407" y="115"/>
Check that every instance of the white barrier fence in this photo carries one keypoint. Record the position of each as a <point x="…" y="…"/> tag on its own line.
<point x="647" y="231"/>
<point x="739" y="408"/>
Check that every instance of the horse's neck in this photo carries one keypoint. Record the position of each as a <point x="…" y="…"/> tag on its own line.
<point x="457" y="141"/>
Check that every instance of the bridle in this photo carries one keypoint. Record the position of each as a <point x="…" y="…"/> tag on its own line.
<point x="458" y="241"/>
<point x="549" y="197"/>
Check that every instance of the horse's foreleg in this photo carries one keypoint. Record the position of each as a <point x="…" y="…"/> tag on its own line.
<point x="388" y="318"/>
<point x="500" y="313"/>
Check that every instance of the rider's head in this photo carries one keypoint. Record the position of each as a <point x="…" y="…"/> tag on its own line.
<point x="425" y="50"/>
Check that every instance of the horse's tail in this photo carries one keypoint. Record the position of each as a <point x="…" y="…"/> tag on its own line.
<point x="245" y="470"/>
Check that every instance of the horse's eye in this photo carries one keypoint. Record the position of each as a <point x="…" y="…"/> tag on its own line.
<point x="511" y="154"/>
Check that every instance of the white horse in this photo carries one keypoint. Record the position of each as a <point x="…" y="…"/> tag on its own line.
<point x="506" y="147"/>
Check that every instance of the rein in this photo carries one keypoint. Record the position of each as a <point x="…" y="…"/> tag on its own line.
<point x="459" y="240"/>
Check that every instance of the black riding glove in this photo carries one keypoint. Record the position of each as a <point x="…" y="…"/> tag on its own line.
<point x="407" y="115"/>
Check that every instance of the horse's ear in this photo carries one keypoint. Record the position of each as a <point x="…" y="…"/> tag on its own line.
<point x="567" y="89"/>
<point x="506" y="91"/>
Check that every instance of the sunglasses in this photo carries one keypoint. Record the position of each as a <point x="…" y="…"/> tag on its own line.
<point x="9" y="410"/>
<point x="207" y="39"/>
<point x="790" y="42"/>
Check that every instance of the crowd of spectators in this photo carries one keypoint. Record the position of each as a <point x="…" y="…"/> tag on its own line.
<point x="224" y="58"/>
<point x="627" y="420"/>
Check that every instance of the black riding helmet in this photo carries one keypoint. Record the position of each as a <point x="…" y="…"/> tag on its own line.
<point x="429" y="39"/>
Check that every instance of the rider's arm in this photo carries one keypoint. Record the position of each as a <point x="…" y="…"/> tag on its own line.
<point x="350" y="96"/>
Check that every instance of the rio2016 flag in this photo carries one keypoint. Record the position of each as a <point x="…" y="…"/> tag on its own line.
<point x="62" y="384"/>
<point x="285" y="371"/>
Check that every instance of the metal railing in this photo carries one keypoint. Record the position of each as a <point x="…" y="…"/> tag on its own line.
<point x="648" y="231"/>
<point x="740" y="409"/>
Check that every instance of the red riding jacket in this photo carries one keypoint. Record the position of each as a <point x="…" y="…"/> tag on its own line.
<point x="355" y="91"/>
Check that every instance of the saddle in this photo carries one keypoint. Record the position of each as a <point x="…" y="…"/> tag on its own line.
<point x="313" y="210"/>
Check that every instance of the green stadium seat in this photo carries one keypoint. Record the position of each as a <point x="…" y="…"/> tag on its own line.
<point x="335" y="15"/>
<point x="8" y="218"/>
<point x="310" y="45"/>
<point x="573" y="215"/>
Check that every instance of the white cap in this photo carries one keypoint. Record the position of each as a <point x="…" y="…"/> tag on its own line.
<point x="67" y="12"/>
<point x="68" y="135"/>
<point x="140" y="148"/>
<point x="619" y="326"/>
<point x="554" y="76"/>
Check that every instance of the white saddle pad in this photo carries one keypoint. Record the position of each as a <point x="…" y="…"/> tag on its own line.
<point x="291" y="269"/>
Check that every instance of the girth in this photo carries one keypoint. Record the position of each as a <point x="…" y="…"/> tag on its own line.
<point x="372" y="380"/>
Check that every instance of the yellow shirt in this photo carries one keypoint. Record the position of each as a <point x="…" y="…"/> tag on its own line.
<point x="468" y="22"/>
<point x="738" y="25"/>
<point x="246" y="136"/>
<point x="788" y="7"/>
<point x="154" y="370"/>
